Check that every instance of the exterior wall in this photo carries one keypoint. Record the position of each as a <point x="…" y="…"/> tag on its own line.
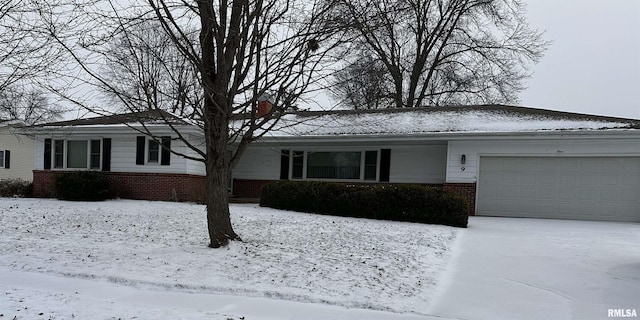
<point x="246" y="188"/>
<point x="473" y="150"/>
<point x="142" y="186"/>
<point x="123" y="154"/>
<point x="21" y="159"/>
<point x="467" y="191"/>
<point x="418" y="164"/>
<point x="258" y="163"/>
<point x="195" y="167"/>
<point x="409" y="164"/>
<point x="126" y="178"/>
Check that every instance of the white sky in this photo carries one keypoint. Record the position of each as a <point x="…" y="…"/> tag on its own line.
<point x="593" y="65"/>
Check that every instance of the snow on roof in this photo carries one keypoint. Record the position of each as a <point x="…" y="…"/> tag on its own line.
<point x="146" y="117"/>
<point x="486" y="118"/>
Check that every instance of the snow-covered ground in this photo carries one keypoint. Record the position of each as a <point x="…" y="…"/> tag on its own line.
<point x="161" y="247"/>
<point x="148" y="260"/>
<point x="541" y="269"/>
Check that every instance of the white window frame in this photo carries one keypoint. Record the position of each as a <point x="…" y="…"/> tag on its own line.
<point x="146" y="152"/>
<point x="362" y="165"/>
<point x="65" y="154"/>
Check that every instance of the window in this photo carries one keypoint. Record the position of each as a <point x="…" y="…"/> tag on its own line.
<point x="58" y="154"/>
<point x="94" y="160"/>
<point x="345" y="165"/>
<point x="153" y="152"/>
<point x="77" y="154"/>
<point x="1" y="159"/>
<point x="333" y="165"/>
<point x="370" y="165"/>
<point x="298" y="164"/>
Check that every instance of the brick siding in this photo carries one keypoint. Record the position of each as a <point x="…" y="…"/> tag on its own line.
<point x="467" y="191"/>
<point x="160" y="186"/>
<point x="243" y="188"/>
<point x="142" y="186"/>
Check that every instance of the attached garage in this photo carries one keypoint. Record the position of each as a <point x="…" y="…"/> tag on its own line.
<point x="584" y="188"/>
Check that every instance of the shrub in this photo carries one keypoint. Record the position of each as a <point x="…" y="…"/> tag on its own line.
<point x="16" y="188"/>
<point x="409" y="203"/>
<point x="81" y="185"/>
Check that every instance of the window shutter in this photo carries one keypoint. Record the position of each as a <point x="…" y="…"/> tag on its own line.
<point x="7" y="156"/>
<point x="140" y="141"/>
<point x="284" y="165"/>
<point x="165" y="152"/>
<point x="106" y="154"/>
<point x="385" y="164"/>
<point x="47" y="154"/>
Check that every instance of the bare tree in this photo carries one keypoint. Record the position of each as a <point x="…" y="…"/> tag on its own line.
<point x="145" y="68"/>
<point x="29" y="106"/>
<point x="362" y="84"/>
<point x="244" y="49"/>
<point x="441" y="52"/>
<point x="24" y="52"/>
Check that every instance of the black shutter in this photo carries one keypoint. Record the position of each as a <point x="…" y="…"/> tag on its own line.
<point x="7" y="157"/>
<point x="165" y="153"/>
<point x="284" y="165"/>
<point x="47" y="154"/>
<point x="106" y="154"/>
<point x="385" y="163"/>
<point x="140" y="150"/>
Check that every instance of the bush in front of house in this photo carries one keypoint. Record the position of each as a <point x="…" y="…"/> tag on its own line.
<point x="16" y="188"/>
<point x="81" y="186"/>
<point x="410" y="203"/>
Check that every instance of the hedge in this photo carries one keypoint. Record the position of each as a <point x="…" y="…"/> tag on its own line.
<point x="81" y="186"/>
<point x="410" y="203"/>
<point x="16" y="188"/>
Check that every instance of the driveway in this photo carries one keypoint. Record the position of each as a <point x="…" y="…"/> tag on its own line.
<point x="509" y="268"/>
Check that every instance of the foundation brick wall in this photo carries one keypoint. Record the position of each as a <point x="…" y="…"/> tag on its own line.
<point x="160" y="186"/>
<point x="243" y="188"/>
<point x="467" y="191"/>
<point x="143" y="186"/>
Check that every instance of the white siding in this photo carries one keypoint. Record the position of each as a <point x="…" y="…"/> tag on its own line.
<point x="123" y="154"/>
<point x="123" y="157"/>
<point x="418" y="164"/>
<point x="21" y="148"/>
<point x="193" y="166"/>
<point x="259" y="163"/>
<point x="409" y="164"/>
<point x="541" y="147"/>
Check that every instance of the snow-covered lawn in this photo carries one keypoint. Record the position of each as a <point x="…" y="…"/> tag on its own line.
<point x="149" y="260"/>
<point x="160" y="247"/>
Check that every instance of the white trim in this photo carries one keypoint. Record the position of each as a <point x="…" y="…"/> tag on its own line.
<point x="335" y="150"/>
<point x="65" y="153"/>
<point x="147" y="144"/>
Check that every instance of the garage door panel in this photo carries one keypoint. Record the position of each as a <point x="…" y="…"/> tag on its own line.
<point x="592" y="188"/>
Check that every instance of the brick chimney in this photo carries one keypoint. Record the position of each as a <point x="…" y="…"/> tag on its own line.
<point x="265" y="105"/>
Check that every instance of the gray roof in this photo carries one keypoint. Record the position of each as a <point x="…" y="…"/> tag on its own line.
<point x="458" y="119"/>
<point x="146" y="117"/>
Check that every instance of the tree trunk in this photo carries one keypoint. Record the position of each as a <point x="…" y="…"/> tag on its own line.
<point x="217" y="181"/>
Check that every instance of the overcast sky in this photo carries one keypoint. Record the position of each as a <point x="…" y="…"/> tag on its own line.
<point x="593" y="65"/>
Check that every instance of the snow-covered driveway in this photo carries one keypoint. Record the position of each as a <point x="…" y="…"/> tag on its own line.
<point x="541" y="269"/>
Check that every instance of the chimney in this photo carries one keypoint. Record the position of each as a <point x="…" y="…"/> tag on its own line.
<point x="264" y="105"/>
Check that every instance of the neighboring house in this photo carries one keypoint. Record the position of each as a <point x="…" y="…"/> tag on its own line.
<point x="16" y="152"/>
<point x="506" y="161"/>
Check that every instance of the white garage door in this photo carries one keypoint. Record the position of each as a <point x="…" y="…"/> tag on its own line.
<point x="586" y="188"/>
